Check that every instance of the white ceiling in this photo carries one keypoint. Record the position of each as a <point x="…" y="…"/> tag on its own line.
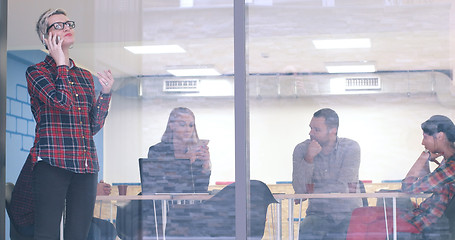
<point x="406" y="35"/>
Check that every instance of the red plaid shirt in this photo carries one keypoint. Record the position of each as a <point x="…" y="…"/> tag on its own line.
<point x="67" y="115"/>
<point x="440" y="182"/>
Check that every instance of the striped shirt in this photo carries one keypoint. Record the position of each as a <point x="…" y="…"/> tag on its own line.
<point x="441" y="184"/>
<point x="67" y="115"/>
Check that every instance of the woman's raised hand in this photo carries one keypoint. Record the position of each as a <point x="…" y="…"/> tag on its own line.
<point x="106" y="80"/>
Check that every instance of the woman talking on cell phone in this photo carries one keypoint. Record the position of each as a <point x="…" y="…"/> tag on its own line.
<point x="68" y="113"/>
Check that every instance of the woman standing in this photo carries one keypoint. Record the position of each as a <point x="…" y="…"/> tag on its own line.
<point x="180" y="141"/>
<point x="67" y="115"/>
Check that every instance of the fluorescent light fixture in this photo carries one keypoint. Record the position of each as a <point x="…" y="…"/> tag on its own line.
<point x="260" y="2"/>
<point x="263" y="2"/>
<point x="328" y="3"/>
<point x="186" y="3"/>
<point x="155" y="49"/>
<point x="342" y="43"/>
<point x="193" y="72"/>
<point x="354" y="68"/>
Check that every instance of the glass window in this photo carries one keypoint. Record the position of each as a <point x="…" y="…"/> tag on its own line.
<point x="383" y="66"/>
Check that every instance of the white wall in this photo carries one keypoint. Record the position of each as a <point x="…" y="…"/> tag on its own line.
<point x="387" y="127"/>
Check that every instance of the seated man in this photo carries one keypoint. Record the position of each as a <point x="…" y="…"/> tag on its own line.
<point x="326" y="163"/>
<point x="21" y="207"/>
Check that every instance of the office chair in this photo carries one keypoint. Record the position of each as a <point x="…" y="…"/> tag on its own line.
<point x="215" y="218"/>
<point x="14" y="234"/>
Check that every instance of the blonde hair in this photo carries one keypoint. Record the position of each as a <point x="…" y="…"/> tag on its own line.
<point x="42" y="24"/>
<point x="173" y="116"/>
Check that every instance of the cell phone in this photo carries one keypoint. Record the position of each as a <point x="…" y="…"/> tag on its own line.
<point x="203" y="142"/>
<point x="58" y="40"/>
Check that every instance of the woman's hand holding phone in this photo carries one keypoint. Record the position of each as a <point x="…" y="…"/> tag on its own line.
<point x="204" y="154"/>
<point x="201" y="151"/>
<point x="54" y="46"/>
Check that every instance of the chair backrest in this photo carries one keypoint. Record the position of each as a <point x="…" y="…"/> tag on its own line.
<point x="216" y="217"/>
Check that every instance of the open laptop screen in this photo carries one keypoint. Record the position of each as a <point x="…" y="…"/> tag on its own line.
<point x="166" y="176"/>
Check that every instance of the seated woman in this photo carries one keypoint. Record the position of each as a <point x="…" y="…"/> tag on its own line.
<point x="180" y="141"/>
<point x="438" y="140"/>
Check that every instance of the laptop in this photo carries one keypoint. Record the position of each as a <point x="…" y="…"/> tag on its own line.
<point x="166" y="176"/>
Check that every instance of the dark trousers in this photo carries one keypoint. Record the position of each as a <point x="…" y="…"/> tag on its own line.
<point x="56" y="189"/>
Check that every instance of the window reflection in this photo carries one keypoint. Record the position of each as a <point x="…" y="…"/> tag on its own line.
<point x="288" y="81"/>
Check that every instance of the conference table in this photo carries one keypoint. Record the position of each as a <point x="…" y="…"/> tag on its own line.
<point x="378" y="195"/>
<point x="165" y="198"/>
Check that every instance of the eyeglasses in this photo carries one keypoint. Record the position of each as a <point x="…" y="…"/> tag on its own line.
<point x="61" y="25"/>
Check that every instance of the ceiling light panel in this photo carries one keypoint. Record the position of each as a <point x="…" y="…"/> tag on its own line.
<point x="155" y="49"/>
<point x="186" y="3"/>
<point x="342" y="43"/>
<point x="193" y="72"/>
<point x="362" y="68"/>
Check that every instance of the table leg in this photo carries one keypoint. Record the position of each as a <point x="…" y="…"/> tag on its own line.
<point x="394" y="204"/>
<point x="61" y="227"/>
<point x="278" y="222"/>
<point x="385" y="219"/>
<point x="111" y="209"/>
<point x="164" y="217"/>
<point x="291" y="218"/>
<point x="156" y="220"/>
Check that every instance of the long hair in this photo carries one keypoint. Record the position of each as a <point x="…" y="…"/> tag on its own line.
<point x="168" y="135"/>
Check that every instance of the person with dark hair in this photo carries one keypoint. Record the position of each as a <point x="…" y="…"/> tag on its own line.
<point x="428" y="217"/>
<point x="326" y="163"/>
<point x="68" y="114"/>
